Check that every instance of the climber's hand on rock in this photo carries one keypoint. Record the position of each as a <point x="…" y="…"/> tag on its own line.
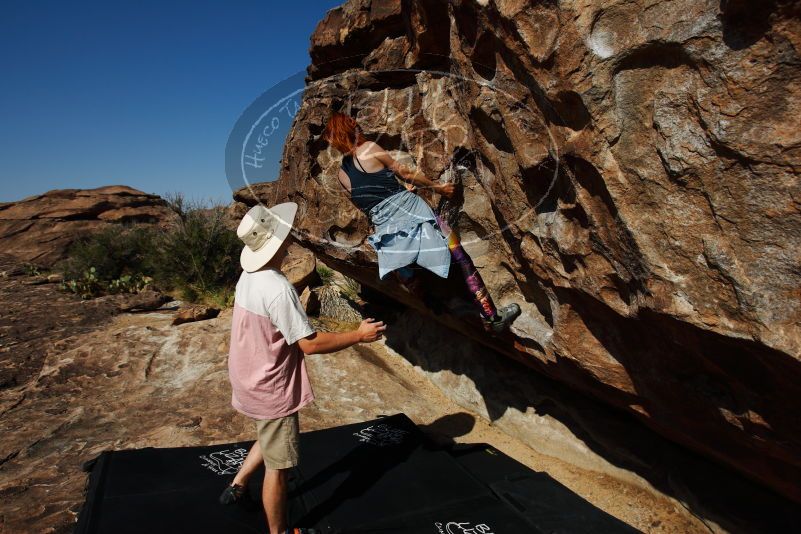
<point x="370" y="330"/>
<point x="445" y="190"/>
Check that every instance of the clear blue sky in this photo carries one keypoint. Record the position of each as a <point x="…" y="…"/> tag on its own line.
<point x="138" y="93"/>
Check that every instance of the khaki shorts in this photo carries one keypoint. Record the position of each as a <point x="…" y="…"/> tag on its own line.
<point x="278" y="440"/>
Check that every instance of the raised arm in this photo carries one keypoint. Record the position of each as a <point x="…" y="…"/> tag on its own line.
<point x="407" y="174"/>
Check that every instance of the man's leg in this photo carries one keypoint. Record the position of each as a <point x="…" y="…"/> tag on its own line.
<point x="278" y="440"/>
<point x="237" y="488"/>
<point x="273" y="495"/>
<point x="249" y="466"/>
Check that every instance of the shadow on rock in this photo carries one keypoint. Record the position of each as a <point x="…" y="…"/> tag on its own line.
<point x="513" y="396"/>
<point x="445" y="429"/>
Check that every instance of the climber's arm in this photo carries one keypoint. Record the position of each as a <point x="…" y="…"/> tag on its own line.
<point x="408" y="175"/>
<point x="344" y="180"/>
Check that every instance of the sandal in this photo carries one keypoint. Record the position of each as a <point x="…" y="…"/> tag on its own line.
<point x="232" y="493"/>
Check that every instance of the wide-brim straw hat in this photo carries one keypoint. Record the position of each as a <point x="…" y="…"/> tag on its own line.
<point x="263" y="230"/>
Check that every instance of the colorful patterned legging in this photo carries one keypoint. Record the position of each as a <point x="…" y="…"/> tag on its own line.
<point x="472" y="278"/>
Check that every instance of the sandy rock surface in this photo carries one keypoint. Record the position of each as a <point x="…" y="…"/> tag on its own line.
<point x="35" y="318"/>
<point x="134" y="380"/>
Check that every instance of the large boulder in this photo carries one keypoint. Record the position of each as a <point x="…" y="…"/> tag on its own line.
<point x="629" y="174"/>
<point x="39" y="229"/>
<point x="300" y="267"/>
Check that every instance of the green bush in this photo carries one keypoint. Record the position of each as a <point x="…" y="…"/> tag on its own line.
<point x="31" y="269"/>
<point x="326" y="274"/>
<point x="112" y="252"/>
<point x="129" y="283"/>
<point x="87" y="285"/>
<point x="198" y="256"/>
<point x="195" y="257"/>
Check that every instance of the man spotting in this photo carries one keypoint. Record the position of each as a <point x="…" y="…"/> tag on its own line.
<point x="270" y="334"/>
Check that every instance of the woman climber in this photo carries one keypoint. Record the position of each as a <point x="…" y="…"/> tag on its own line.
<point x="406" y="229"/>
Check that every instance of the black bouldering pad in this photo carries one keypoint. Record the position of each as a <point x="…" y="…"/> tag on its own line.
<point x="377" y="476"/>
<point x="546" y="504"/>
<point x="359" y="475"/>
<point x="166" y="490"/>
<point x="553" y="508"/>
<point x="487" y="463"/>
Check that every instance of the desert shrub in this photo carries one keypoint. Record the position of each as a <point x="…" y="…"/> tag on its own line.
<point x="31" y="269"/>
<point x="87" y="285"/>
<point x="129" y="283"/>
<point x="197" y="256"/>
<point x="112" y="252"/>
<point x="326" y="274"/>
<point x="350" y="289"/>
<point x="223" y="297"/>
<point x="347" y="287"/>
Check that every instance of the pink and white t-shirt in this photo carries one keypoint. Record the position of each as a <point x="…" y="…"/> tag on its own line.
<point x="265" y="365"/>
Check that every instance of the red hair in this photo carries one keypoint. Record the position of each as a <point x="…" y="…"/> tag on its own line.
<point x="343" y="133"/>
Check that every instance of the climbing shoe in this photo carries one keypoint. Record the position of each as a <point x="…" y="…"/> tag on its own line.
<point x="502" y="319"/>
<point x="232" y="493"/>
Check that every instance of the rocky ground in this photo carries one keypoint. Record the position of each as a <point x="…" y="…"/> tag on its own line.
<point x="107" y="381"/>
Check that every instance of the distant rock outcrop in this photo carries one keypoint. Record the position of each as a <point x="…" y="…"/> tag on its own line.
<point x="40" y="228"/>
<point x="629" y="173"/>
<point x="192" y="314"/>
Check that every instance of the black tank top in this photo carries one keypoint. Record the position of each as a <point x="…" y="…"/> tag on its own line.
<point x="369" y="188"/>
